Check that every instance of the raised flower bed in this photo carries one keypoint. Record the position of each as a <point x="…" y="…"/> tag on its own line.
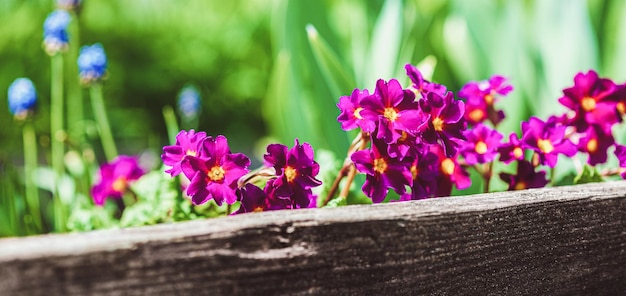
<point x="566" y="240"/>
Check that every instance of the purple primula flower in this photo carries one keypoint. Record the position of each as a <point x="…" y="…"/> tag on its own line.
<point x="214" y="175"/>
<point x="421" y="86"/>
<point x="187" y="143"/>
<point x="350" y="117"/>
<point x="446" y="123"/>
<point x="525" y="178"/>
<point x="620" y="153"/>
<point x="394" y="110"/>
<point x="114" y="178"/>
<point x="450" y="173"/>
<point x="591" y="100"/>
<point x="480" y="98"/>
<point x="408" y="145"/>
<point x="382" y="171"/>
<point x="596" y="143"/>
<point x="482" y="144"/>
<point x="255" y="199"/>
<point x="512" y="150"/>
<point x="424" y="170"/>
<point x="547" y="140"/>
<point x="296" y="169"/>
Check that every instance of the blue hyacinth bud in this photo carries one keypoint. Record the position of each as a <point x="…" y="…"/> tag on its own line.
<point x="69" y="4"/>
<point x="92" y="63"/>
<point x="189" y="102"/>
<point x="22" y="98"/>
<point x="55" y="38"/>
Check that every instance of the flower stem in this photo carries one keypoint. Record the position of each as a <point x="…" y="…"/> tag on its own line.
<point x="30" y="165"/>
<point x="359" y="143"/>
<point x="57" y="136"/>
<point x="106" y="137"/>
<point x="170" y="123"/>
<point x="75" y="110"/>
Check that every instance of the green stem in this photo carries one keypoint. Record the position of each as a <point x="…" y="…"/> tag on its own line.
<point x="57" y="136"/>
<point x="75" y="110"/>
<point x="106" y="137"/>
<point x="170" y="123"/>
<point x="30" y="165"/>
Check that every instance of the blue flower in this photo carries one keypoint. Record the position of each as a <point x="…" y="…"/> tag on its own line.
<point x="55" y="36"/>
<point x="189" y="102"/>
<point x="92" y="63"/>
<point x="22" y="98"/>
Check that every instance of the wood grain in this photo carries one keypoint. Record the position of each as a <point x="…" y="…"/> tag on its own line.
<point x="559" y="241"/>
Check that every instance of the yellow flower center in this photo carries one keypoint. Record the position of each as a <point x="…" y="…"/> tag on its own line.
<point x="480" y="147"/>
<point x="621" y="108"/>
<point x="391" y="114"/>
<point x="520" y="185"/>
<point x="588" y="103"/>
<point x="438" y="124"/>
<point x="216" y="174"/>
<point x="403" y="137"/>
<point x="191" y="153"/>
<point x="447" y="166"/>
<point x="518" y="152"/>
<point x="592" y="145"/>
<point x="477" y="115"/>
<point x="357" y="113"/>
<point x="258" y="209"/>
<point x="414" y="171"/>
<point x="380" y="165"/>
<point x="291" y="174"/>
<point x="489" y="99"/>
<point x="545" y="145"/>
<point x="119" y="184"/>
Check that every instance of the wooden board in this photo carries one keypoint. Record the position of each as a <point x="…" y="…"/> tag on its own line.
<point x="559" y="241"/>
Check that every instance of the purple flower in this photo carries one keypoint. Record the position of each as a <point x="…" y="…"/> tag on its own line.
<point x="383" y="172"/>
<point x="424" y="170"/>
<point x="596" y="143"/>
<point x="546" y="139"/>
<point x="451" y="173"/>
<point x="394" y="110"/>
<point x="525" y="178"/>
<point x="350" y="117"/>
<point x="55" y="38"/>
<point x="215" y="172"/>
<point x="422" y="86"/>
<point x="187" y="143"/>
<point x="482" y="144"/>
<point x="255" y="199"/>
<point x="512" y="150"/>
<point x="480" y="98"/>
<point x="620" y="153"/>
<point x="446" y="124"/>
<point x="590" y="99"/>
<point x="22" y="98"/>
<point x="296" y="169"/>
<point x="114" y="178"/>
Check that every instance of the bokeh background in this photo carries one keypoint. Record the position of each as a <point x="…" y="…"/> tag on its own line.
<point x="272" y="71"/>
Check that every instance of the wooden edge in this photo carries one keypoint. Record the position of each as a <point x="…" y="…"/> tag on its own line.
<point x="112" y="239"/>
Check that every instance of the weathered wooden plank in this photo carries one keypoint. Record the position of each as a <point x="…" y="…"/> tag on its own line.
<point x="559" y="241"/>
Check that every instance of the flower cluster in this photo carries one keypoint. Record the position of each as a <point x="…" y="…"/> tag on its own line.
<point x="22" y="98"/>
<point x="115" y="178"/>
<point x="423" y="139"/>
<point x="215" y="173"/>
<point x="415" y="136"/>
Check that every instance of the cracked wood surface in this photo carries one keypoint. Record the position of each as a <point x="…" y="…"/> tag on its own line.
<point x="558" y="241"/>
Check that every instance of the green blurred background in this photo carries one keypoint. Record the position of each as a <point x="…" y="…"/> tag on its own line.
<point x="264" y="77"/>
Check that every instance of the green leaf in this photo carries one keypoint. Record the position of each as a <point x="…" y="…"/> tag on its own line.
<point x="588" y="175"/>
<point x="333" y="70"/>
<point x="336" y="202"/>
